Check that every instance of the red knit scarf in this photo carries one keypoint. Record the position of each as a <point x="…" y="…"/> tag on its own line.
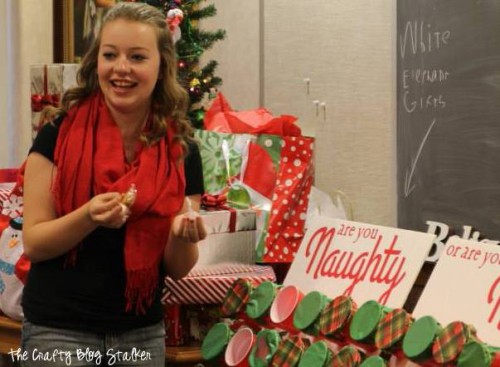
<point x="89" y="157"/>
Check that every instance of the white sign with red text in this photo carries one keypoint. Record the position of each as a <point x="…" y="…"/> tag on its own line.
<point x="364" y="261"/>
<point x="465" y="286"/>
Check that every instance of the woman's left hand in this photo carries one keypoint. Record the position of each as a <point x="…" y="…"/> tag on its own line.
<point x="189" y="227"/>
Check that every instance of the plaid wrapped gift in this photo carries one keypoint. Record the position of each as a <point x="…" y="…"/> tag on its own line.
<point x="208" y="286"/>
<point x="335" y="318"/>
<point x="237" y="296"/>
<point x="451" y="341"/>
<point x="392" y="328"/>
<point x="348" y="356"/>
<point x="289" y="351"/>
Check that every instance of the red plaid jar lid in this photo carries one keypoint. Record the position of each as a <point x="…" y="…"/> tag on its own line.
<point x="317" y="355"/>
<point x="450" y="341"/>
<point x="289" y="351"/>
<point x="215" y="341"/>
<point x="336" y="315"/>
<point x="476" y="354"/>
<point x="374" y="361"/>
<point x="306" y="315"/>
<point x="237" y="296"/>
<point x="266" y="344"/>
<point x="348" y="356"/>
<point x="418" y="341"/>
<point x="392" y="328"/>
<point x="365" y="321"/>
<point x="261" y="299"/>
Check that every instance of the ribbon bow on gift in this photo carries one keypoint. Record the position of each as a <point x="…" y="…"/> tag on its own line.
<point x="39" y="101"/>
<point x="219" y="202"/>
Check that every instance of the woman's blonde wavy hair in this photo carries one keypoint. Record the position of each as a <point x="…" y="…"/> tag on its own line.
<point x="169" y="99"/>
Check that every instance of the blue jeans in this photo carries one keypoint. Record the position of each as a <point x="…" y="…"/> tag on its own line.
<point x="46" y="346"/>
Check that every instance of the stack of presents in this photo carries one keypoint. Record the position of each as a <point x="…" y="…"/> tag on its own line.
<point x="258" y="174"/>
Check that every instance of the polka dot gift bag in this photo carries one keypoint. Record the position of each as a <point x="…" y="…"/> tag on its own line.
<point x="283" y="227"/>
<point x="275" y="169"/>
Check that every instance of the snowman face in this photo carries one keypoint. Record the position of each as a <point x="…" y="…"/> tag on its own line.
<point x="11" y="245"/>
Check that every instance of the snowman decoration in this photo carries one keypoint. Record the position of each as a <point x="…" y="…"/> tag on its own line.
<point x="11" y="251"/>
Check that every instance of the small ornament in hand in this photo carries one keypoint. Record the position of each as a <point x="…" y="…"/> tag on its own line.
<point x="128" y="199"/>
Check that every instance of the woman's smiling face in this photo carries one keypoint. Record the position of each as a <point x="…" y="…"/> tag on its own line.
<point x="128" y="65"/>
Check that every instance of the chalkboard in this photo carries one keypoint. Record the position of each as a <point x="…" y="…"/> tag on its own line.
<point x="448" y="136"/>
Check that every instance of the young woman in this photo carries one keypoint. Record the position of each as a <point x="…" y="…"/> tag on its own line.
<point x="107" y="211"/>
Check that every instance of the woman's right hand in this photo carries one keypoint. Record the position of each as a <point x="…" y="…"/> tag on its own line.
<point x="106" y="210"/>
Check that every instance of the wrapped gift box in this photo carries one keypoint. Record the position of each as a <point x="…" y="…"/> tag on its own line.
<point x="226" y="244"/>
<point x="209" y="285"/>
<point x="219" y="221"/>
<point x="48" y="83"/>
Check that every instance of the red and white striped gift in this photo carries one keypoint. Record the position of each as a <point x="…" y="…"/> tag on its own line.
<point x="209" y="285"/>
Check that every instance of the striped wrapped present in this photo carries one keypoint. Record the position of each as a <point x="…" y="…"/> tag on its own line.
<point x="210" y="284"/>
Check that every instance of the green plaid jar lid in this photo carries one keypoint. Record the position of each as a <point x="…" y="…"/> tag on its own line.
<point x="289" y="351"/>
<point x="348" y="356"/>
<point x="261" y="299"/>
<point x="418" y="341"/>
<point x="451" y="340"/>
<point x="306" y="315"/>
<point x="237" y="296"/>
<point x="215" y="341"/>
<point x="264" y="348"/>
<point x="365" y="321"/>
<point x="317" y="355"/>
<point x="392" y="328"/>
<point x="336" y="315"/>
<point x="476" y="354"/>
<point x="374" y="361"/>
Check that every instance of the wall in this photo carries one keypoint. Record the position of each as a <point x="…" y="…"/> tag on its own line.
<point x="347" y="51"/>
<point x="26" y="38"/>
<point x="4" y="149"/>
<point x="239" y="54"/>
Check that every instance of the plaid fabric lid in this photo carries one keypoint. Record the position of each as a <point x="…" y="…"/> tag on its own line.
<point x="374" y="361"/>
<point x="364" y="322"/>
<point x="317" y="355"/>
<point x="306" y="315"/>
<point x="336" y="315"/>
<point x="289" y="351"/>
<point x="215" y="341"/>
<point x="451" y="341"/>
<point x="475" y="354"/>
<point x="392" y="328"/>
<point x="261" y="299"/>
<point x="348" y="356"/>
<point x="237" y="296"/>
<point x="265" y="346"/>
<point x="417" y="343"/>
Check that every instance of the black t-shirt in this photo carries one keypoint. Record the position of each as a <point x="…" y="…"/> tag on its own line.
<point x="90" y="294"/>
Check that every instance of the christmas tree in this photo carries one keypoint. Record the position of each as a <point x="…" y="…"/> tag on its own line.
<point x="199" y="80"/>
